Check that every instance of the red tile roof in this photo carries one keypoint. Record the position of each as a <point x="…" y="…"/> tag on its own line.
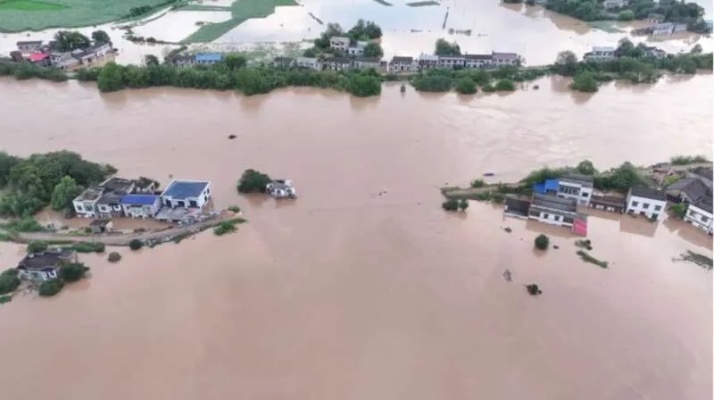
<point x="34" y="57"/>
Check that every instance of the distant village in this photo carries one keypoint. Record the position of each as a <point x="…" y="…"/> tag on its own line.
<point x="556" y="201"/>
<point x="47" y="55"/>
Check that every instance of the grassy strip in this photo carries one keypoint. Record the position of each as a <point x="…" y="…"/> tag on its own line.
<point x="243" y="10"/>
<point x="29" y="5"/>
<point x="590" y="259"/>
<point x="423" y="3"/>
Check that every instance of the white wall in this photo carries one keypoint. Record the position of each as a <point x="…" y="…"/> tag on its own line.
<point x="645" y="206"/>
<point x="699" y="218"/>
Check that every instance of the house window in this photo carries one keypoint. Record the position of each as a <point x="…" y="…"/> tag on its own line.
<point x="645" y="206"/>
<point x="657" y="208"/>
<point x="705" y="219"/>
<point x="585" y="194"/>
<point x="79" y="207"/>
<point x="634" y="204"/>
<point x="546" y="215"/>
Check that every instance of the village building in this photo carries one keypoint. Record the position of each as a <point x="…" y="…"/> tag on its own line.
<point x="600" y="53"/>
<point x="558" y="211"/>
<point x="183" y="60"/>
<point x="704" y="174"/>
<point x="647" y="202"/>
<point x="478" y="60"/>
<point x="700" y="215"/>
<point x="186" y="194"/>
<point x="339" y="43"/>
<point x="337" y="63"/>
<point x="427" y="61"/>
<point x="367" y="62"/>
<point x="451" y="61"/>
<point x="29" y="46"/>
<point x="358" y="49"/>
<point x="92" y="53"/>
<point x="651" y="51"/>
<point x="577" y="187"/>
<point x="109" y="205"/>
<point x="103" y="225"/>
<point x="308" y="63"/>
<point x="283" y="62"/>
<point x="401" y="64"/>
<point x="516" y="208"/>
<point x="614" y="4"/>
<point x="44" y="265"/>
<point x="687" y="190"/>
<point x="504" y="59"/>
<point x="63" y="61"/>
<point x="140" y="205"/>
<point x="41" y="59"/>
<point x="281" y="189"/>
<point x="612" y="202"/>
<point x="208" y="58"/>
<point x="85" y="205"/>
<point x="144" y="185"/>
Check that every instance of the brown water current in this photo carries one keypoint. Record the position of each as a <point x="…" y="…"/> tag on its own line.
<point x="347" y="293"/>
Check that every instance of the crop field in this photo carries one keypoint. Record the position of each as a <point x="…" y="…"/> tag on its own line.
<point x="242" y="10"/>
<point x="21" y="15"/>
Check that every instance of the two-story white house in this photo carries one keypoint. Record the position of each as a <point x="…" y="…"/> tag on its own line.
<point x="650" y="203"/>
<point x="478" y="60"/>
<point x="140" y="205"/>
<point x="358" y="49"/>
<point x="340" y="43"/>
<point x="308" y="63"/>
<point x="700" y="215"/>
<point x="451" y="61"/>
<point x="577" y="187"/>
<point x="186" y="194"/>
<point x="401" y="64"/>
<point x="85" y="205"/>
<point x="600" y="53"/>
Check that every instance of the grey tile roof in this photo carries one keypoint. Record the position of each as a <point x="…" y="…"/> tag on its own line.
<point x="704" y="172"/>
<point x="579" y="179"/>
<point x="554" y="203"/>
<point x="49" y="259"/>
<point x="648" y="193"/>
<point x="705" y="203"/>
<point x="402" y="60"/>
<point x="692" y="187"/>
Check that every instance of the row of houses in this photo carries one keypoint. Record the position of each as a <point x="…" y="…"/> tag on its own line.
<point x="190" y="60"/>
<point x="41" y="53"/>
<point x="344" y="45"/>
<point x="608" y="53"/>
<point x="402" y="64"/>
<point x="556" y="201"/>
<point x="139" y="198"/>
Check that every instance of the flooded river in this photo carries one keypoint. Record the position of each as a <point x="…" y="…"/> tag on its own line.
<point x="364" y="288"/>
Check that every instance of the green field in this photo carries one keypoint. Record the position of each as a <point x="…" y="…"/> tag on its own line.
<point x="21" y="15"/>
<point x="242" y="10"/>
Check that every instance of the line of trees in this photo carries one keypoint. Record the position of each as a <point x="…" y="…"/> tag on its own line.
<point x="45" y="179"/>
<point x="467" y="81"/>
<point x="619" y="179"/>
<point x="249" y="81"/>
<point x="672" y="11"/>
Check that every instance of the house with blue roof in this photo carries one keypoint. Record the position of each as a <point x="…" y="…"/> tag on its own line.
<point x="140" y="205"/>
<point x="571" y="186"/>
<point x="208" y="58"/>
<point x="186" y="194"/>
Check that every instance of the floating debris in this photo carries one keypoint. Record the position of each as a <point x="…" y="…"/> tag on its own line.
<point x="533" y="289"/>
<point x="231" y="137"/>
<point x="536" y="87"/>
<point x="507" y="276"/>
<point x="696" y="258"/>
<point x="508" y="229"/>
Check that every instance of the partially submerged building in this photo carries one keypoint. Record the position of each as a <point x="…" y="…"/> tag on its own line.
<point x="558" y="211"/>
<point x="647" y="202"/>
<point x="612" y="202"/>
<point x="44" y="265"/>
<point x="700" y="214"/>
<point x="186" y="194"/>
<point x="281" y="189"/>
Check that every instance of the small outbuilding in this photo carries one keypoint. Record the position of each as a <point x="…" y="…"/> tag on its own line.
<point x="103" y="225"/>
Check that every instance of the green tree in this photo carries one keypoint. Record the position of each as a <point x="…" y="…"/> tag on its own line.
<point x="70" y="40"/>
<point x="100" y="36"/>
<point x="365" y="85"/>
<point x="626" y="15"/>
<point x="463" y="204"/>
<point x="584" y="82"/>
<point x="63" y="194"/>
<point x="253" y="181"/>
<point x="235" y="61"/>
<point x="373" y="49"/>
<point x="541" y="242"/>
<point x="114" y="257"/>
<point x="111" y="78"/>
<point x="7" y="162"/>
<point x="566" y="63"/>
<point x="505" y="85"/>
<point x="465" y="85"/>
<point x="151" y="59"/>
<point x="36" y="246"/>
<point x="73" y="272"/>
<point x="51" y="287"/>
<point x="444" y="48"/>
<point x="586" y="167"/>
<point x="679" y="210"/>
<point x="450" y="205"/>
<point x="478" y="183"/>
<point x="136" y="244"/>
<point x="9" y="281"/>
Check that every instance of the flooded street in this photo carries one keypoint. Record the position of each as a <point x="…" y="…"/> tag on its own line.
<point x="349" y="294"/>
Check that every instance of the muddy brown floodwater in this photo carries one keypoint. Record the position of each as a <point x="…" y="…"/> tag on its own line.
<point x="347" y="293"/>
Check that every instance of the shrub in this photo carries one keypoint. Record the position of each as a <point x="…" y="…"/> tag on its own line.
<point x="36" y="246"/>
<point x="466" y="86"/>
<point x="679" y="210"/>
<point x="5" y="299"/>
<point x="114" y="257"/>
<point x="584" y="244"/>
<point x="626" y="15"/>
<point x="51" y="287"/>
<point x="478" y="183"/>
<point x="89" y="247"/>
<point x="541" y="242"/>
<point x="27" y="224"/>
<point x="136" y="244"/>
<point x="590" y="259"/>
<point x="498" y="198"/>
<point x="450" y="205"/>
<point x="224" y="227"/>
<point x="234" y="209"/>
<point x="253" y="181"/>
<point x="73" y="272"/>
<point x="505" y="85"/>
<point x="9" y="281"/>
<point x="584" y="82"/>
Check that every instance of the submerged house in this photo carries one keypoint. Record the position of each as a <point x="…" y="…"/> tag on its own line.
<point x="186" y="194"/>
<point x="140" y="205"/>
<point x="85" y="205"/>
<point x="558" y="211"/>
<point x="281" y="189"/>
<point x="571" y="186"/>
<point x="700" y="214"/>
<point x="612" y="202"/>
<point x="516" y="208"/>
<point x="29" y="46"/>
<point x="647" y="202"/>
<point x="44" y="265"/>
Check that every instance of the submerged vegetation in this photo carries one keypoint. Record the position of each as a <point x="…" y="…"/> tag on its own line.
<point x="541" y="242"/>
<point x="696" y="258"/>
<point x="585" y="256"/>
<point x="253" y="181"/>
